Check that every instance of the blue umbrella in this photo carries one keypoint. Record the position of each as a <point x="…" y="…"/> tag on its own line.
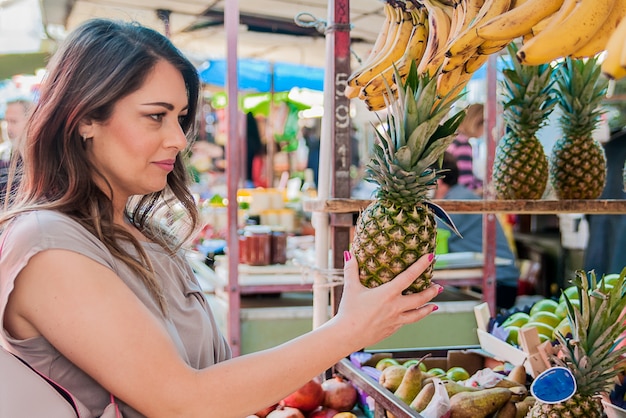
<point x="257" y="75"/>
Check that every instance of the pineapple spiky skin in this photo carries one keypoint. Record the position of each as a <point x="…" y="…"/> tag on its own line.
<point x="576" y="406"/>
<point x="578" y="168"/>
<point x="592" y="353"/>
<point x="520" y="169"/>
<point x="399" y="226"/>
<point x="578" y="163"/>
<point x="388" y="239"/>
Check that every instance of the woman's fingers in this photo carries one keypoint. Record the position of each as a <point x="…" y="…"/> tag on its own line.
<point x="404" y="279"/>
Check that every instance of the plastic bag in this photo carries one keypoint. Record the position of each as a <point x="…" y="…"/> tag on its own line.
<point x="439" y="405"/>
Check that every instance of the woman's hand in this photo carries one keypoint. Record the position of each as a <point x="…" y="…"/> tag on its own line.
<point x="374" y="314"/>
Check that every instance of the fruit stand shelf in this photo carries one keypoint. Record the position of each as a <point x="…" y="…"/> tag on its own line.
<point x="607" y="206"/>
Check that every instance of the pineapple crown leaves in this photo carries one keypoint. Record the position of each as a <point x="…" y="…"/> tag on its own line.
<point x="596" y="327"/>
<point x="582" y="88"/>
<point x="415" y="134"/>
<point x="528" y="94"/>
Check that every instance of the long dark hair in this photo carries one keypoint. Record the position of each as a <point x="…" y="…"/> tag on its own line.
<point x="101" y="62"/>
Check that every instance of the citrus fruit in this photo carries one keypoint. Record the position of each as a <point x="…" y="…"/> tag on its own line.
<point x="564" y="328"/>
<point x="571" y="292"/>
<point x="386" y="362"/>
<point x="561" y="310"/>
<point x="457" y="373"/>
<point x="547" y="318"/>
<point x="517" y="319"/>
<point x="512" y="336"/>
<point x="544" y="305"/>
<point x="437" y="371"/>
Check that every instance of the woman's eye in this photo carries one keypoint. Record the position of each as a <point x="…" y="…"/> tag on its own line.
<point x="181" y="119"/>
<point x="157" y="116"/>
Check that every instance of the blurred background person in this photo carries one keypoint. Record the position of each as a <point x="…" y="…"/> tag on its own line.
<point x="471" y="228"/>
<point x="461" y="148"/>
<point x="14" y="126"/>
<point x="605" y="252"/>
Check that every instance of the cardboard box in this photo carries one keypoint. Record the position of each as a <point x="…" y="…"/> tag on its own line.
<point x="533" y="355"/>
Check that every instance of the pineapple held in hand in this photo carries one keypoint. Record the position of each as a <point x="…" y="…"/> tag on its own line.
<point x="591" y="354"/>
<point x="520" y="169"/>
<point x="399" y="226"/>
<point x="578" y="163"/>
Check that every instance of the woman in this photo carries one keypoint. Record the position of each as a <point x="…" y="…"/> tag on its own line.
<point x="94" y="288"/>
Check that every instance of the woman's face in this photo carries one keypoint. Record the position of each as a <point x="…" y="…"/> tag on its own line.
<point x="136" y="147"/>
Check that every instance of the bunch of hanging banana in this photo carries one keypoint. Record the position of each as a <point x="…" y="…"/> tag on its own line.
<point x="614" y="64"/>
<point x="401" y="41"/>
<point x="438" y="36"/>
<point x="553" y="29"/>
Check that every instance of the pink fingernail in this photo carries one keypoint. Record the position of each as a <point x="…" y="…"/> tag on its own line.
<point x="435" y="307"/>
<point x="347" y="256"/>
<point x="431" y="256"/>
<point x="440" y="289"/>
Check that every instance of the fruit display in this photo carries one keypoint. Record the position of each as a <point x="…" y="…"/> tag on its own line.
<point x="330" y="398"/>
<point x="399" y="226"/>
<point x="451" y="389"/>
<point x="520" y="169"/>
<point x="591" y="352"/>
<point x="578" y="163"/>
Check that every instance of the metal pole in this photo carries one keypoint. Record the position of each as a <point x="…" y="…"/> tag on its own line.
<point x="233" y="170"/>
<point x="490" y="219"/>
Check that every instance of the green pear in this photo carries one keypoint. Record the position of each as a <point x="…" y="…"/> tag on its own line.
<point x="453" y="388"/>
<point x="478" y="404"/>
<point x="508" y="410"/>
<point x="411" y="384"/>
<point x="391" y="377"/>
<point x="424" y="397"/>
<point x="524" y="406"/>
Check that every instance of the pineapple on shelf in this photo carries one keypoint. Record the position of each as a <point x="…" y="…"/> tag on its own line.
<point x="520" y="169"/>
<point x="399" y="225"/>
<point x="578" y="163"/>
<point x="591" y="354"/>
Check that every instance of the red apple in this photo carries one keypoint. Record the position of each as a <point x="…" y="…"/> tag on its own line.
<point x="307" y="398"/>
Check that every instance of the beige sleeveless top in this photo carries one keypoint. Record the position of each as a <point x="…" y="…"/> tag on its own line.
<point x="190" y="324"/>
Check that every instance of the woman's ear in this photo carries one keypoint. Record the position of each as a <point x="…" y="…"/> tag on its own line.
<point x="85" y="128"/>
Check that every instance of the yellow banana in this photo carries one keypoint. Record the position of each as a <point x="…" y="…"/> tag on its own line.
<point x="475" y="62"/>
<point x="492" y="47"/>
<point x="379" y="102"/>
<point x="554" y="19"/>
<point x="351" y="92"/>
<point x="598" y="42"/>
<point x="456" y="61"/>
<point x="438" y="32"/>
<point x="517" y="21"/>
<point x="457" y="18"/>
<point x="448" y="81"/>
<point x="612" y="64"/>
<point x="392" y="54"/>
<point x="469" y="38"/>
<point x="393" y="32"/>
<point x="449" y="85"/>
<point x="561" y="40"/>
<point x="412" y="53"/>
<point x="383" y="36"/>
<point x="466" y="12"/>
